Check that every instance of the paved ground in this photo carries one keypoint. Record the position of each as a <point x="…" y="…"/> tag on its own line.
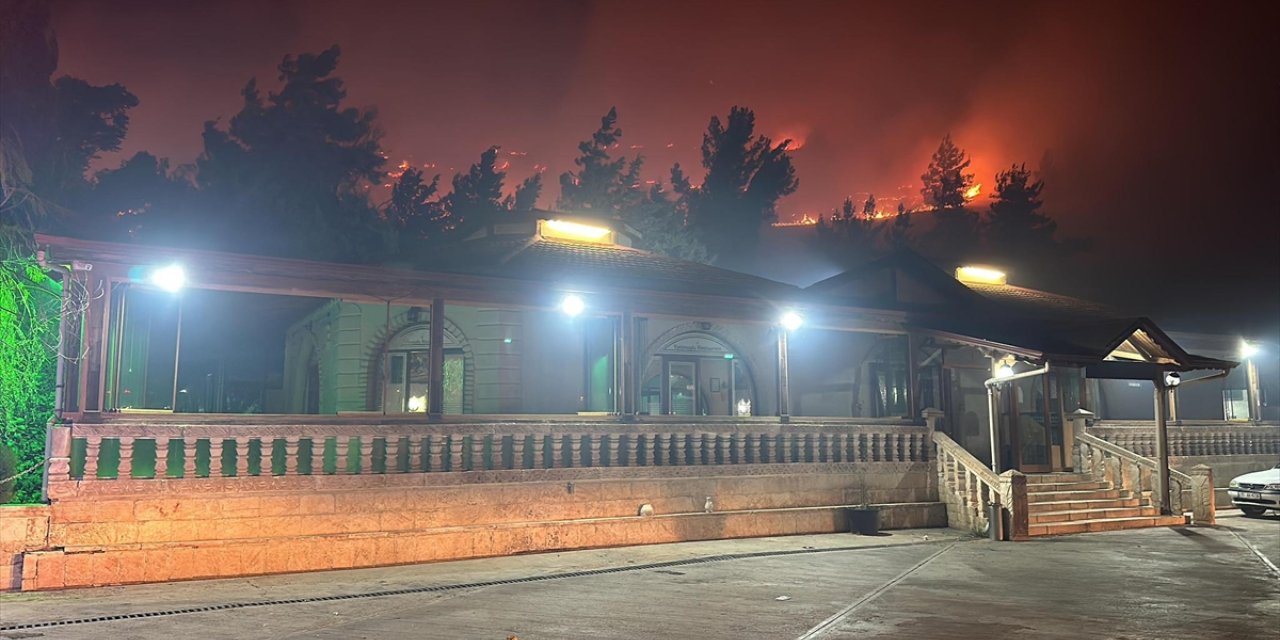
<point x="1156" y="584"/>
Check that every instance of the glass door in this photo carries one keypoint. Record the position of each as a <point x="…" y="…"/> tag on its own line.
<point x="682" y="385"/>
<point x="1031" y="441"/>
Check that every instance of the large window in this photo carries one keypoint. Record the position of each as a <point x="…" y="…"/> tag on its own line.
<point x="202" y="351"/>
<point x="848" y="374"/>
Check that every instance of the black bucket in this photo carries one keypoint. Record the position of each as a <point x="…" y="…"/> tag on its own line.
<point x="864" y="521"/>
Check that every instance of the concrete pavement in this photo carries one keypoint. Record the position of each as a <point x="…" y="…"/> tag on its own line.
<point x="1157" y="583"/>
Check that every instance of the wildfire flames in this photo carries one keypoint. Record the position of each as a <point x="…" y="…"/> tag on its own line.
<point x="972" y="192"/>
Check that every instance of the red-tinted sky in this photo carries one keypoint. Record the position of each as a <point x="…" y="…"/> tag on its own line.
<point x="1160" y="121"/>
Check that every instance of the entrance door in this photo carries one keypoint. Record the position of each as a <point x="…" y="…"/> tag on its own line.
<point x="682" y="387"/>
<point x="1028" y="408"/>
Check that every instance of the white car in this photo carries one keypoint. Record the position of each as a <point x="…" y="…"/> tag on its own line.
<point x="1256" y="492"/>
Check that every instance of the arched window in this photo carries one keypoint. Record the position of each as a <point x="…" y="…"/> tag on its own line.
<point x="697" y="374"/>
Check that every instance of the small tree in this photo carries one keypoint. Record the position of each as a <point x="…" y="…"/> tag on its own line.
<point x="869" y="207"/>
<point x="945" y="181"/>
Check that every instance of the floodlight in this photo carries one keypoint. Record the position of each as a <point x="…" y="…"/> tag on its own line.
<point x="572" y="305"/>
<point x="171" y="278"/>
<point x="791" y="321"/>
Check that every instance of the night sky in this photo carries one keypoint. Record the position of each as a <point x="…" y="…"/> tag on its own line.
<point x="1156" y="126"/>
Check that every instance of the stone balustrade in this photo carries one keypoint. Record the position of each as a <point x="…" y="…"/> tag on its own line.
<point x="121" y="450"/>
<point x="1192" y="438"/>
<point x="1135" y="473"/>
<point x="966" y="486"/>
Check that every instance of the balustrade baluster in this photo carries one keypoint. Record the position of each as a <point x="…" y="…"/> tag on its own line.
<point x="162" y="457"/>
<point x="290" y="456"/>
<point x="242" y="456"/>
<point x="557" y="451"/>
<point x="517" y="451"/>
<point x="478" y="442"/>
<point x="739" y="443"/>
<point x="433" y="447"/>
<point x="124" y="471"/>
<point x="92" y="447"/>
<point x="675" y="449"/>
<point x="595" y="447"/>
<point x="189" y="457"/>
<point x="453" y="455"/>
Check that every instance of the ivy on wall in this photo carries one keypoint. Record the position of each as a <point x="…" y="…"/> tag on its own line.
<point x="29" y="316"/>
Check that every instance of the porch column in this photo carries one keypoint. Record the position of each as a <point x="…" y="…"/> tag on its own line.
<point x="1255" y="389"/>
<point x="435" y="388"/>
<point x="784" y="382"/>
<point x="1162" y="444"/>
<point x="625" y="366"/>
<point x="913" y="377"/>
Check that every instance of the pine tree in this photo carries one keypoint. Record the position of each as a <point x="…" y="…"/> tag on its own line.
<point x="477" y="194"/>
<point x="415" y="210"/>
<point x="602" y="182"/>
<point x="746" y="175"/>
<point x="945" y="181"/>
<point x="1015" y="219"/>
<point x="869" y="207"/>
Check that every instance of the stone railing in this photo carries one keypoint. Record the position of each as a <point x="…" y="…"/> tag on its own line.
<point x="141" y="451"/>
<point x="967" y="486"/>
<point x="1192" y="438"/>
<point x="1129" y="471"/>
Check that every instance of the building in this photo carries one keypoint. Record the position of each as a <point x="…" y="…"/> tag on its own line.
<point x="544" y="385"/>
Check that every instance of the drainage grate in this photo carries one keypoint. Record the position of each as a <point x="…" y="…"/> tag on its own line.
<point x="454" y="586"/>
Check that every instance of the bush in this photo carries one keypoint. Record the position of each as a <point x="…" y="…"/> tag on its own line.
<point x="8" y="467"/>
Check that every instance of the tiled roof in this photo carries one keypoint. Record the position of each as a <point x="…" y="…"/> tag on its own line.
<point x="605" y="265"/>
<point x="1036" y="302"/>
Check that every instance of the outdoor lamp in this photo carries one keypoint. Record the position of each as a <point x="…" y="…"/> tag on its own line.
<point x="171" y="278"/>
<point x="572" y="305"/>
<point x="791" y="321"/>
<point x="1172" y="379"/>
<point x="1004" y="371"/>
<point x="1248" y="350"/>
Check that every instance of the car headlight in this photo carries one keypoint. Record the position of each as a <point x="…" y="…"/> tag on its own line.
<point x="1274" y="486"/>
<point x="1233" y="484"/>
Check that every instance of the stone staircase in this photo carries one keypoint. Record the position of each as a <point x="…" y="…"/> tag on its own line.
<point x="1062" y="503"/>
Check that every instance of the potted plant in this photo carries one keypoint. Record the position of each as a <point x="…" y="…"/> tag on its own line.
<point x="864" y="518"/>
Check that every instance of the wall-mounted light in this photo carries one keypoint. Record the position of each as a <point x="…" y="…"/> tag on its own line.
<point x="1172" y="379"/>
<point x="574" y="231"/>
<point x="171" y="278"/>
<point x="572" y="305"/>
<point x="1004" y="371"/>
<point x="981" y="275"/>
<point x="791" y="321"/>
<point x="1248" y="349"/>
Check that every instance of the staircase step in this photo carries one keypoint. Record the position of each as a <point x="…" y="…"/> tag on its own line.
<point x="1087" y="494"/>
<point x="1067" y="486"/>
<point x="1051" y="478"/>
<point x="1104" y="524"/>
<point x="1091" y="514"/>
<point x="1075" y="505"/>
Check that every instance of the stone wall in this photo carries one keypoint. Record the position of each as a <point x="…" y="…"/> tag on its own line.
<point x="128" y="531"/>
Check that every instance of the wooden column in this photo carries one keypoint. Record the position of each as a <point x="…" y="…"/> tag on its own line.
<point x="784" y="382"/>
<point x="626" y="365"/>
<point x="435" y="388"/>
<point x="1162" y="445"/>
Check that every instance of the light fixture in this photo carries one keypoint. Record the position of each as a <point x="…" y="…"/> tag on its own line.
<point x="565" y="230"/>
<point x="1004" y="371"/>
<point x="1248" y="350"/>
<point x="171" y="278"/>
<point x="981" y="275"/>
<point x="572" y="305"/>
<point x="791" y="321"/>
<point x="1172" y="379"/>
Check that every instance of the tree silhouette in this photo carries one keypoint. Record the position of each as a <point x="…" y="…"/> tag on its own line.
<point x="526" y="195"/>
<point x="602" y="182"/>
<point x="945" y="181"/>
<point x="869" y="207"/>
<point x="746" y="175"/>
<point x="476" y="198"/>
<point x="1015" y="219"/>
<point x="294" y="167"/>
<point x="415" y="209"/>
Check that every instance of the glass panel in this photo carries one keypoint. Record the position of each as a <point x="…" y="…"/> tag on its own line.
<point x="599" y="337"/>
<point x="682" y="386"/>
<point x="419" y="381"/>
<point x="651" y="390"/>
<point x="454" y="381"/>
<point x="848" y="374"/>
<point x="147" y="335"/>
<point x="394" y="399"/>
<point x="1033" y="437"/>
<point x="1235" y="404"/>
<point x="968" y="419"/>
<point x="743" y="395"/>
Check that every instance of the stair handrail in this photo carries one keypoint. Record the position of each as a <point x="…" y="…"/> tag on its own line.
<point x="965" y="484"/>
<point x="1133" y="472"/>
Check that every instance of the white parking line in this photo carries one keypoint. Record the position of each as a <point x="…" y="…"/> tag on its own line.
<point x="1265" y="560"/>
<point x="826" y="625"/>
